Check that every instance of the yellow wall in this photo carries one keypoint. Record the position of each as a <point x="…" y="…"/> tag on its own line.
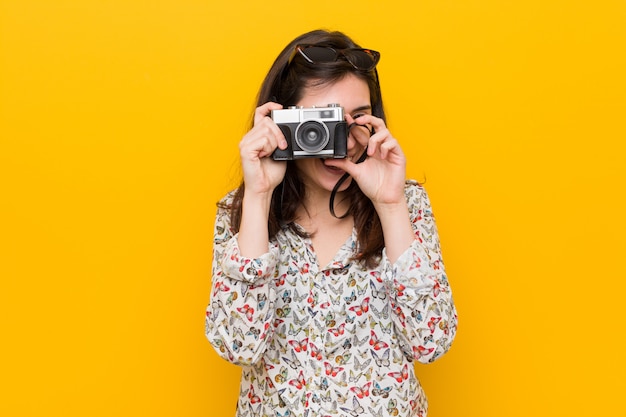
<point x="119" y="124"/>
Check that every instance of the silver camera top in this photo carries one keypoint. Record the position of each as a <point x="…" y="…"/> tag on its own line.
<point x="296" y="114"/>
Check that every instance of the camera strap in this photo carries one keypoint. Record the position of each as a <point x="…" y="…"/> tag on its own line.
<point x="343" y="178"/>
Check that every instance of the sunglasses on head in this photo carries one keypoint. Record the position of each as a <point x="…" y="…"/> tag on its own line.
<point x="359" y="58"/>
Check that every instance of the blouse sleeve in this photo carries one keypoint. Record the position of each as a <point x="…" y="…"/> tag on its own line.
<point x="424" y="314"/>
<point x="241" y="308"/>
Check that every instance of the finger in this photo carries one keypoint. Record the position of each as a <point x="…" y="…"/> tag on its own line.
<point x="260" y="146"/>
<point x="361" y="134"/>
<point x="265" y="110"/>
<point x="390" y="146"/>
<point x="377" y="139"/>
<point x="278" y="134"/>
<point x="377" y="127"/>
<point x="346" y="165"/>
<point x="267" y="127"/>
<point x="376" y="123"/>
<point x="269" y="145"/>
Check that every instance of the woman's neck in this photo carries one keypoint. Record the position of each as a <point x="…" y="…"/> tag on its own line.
<point x="314" y="213"/>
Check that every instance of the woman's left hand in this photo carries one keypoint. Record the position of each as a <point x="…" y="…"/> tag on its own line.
<point x="382" y="175"/>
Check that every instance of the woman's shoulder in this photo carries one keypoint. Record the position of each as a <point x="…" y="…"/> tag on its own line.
<point x="416" y="194"/>
<point x="227" y="200"/>
<point x="413" y="187"/>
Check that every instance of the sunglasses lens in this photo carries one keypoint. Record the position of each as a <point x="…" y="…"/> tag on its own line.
<point x="317" y="54"/>
<point x="362" y="59"/>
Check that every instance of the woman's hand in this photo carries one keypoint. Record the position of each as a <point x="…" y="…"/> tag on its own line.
<point x="382" y="175"/>
<point x="261" y="174"/>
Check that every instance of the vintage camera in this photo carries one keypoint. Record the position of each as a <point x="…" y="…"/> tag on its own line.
<point x="312" y="132"/>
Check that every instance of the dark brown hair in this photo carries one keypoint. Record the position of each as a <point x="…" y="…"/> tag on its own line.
<point x="285" y="83"/>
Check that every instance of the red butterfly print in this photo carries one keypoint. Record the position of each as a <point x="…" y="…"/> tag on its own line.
<point x="253" y="397"/>
<point x="315" y="352"/>
<point x="417" y="261"/>
<point x="400" y="376"/>
<point x="363" y="391"/>
<point x="376" y="276"/>
<point x="299" y="346"/>
<point x="400" y="315"/>
<point x="312" y="299"/>
<point x="242" y="267"/>
<point x="363" y="308"/>
<point x="375" y="343"/>
<point x="280" y="281"/>
<point x="432" y="323"/>
<point x="332" y="370"/>
<point x="247" y="310"/>
<point x="338" y="330"/>
<point x="436" y="289"/>
<point x="220" y="286"/>
<point x="420" y="351"/>
<point x="299" y="383"/>
<point x="400" y="290"/>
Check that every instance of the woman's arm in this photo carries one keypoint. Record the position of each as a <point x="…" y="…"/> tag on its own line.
<point x="241" y="309"/>
<point x="397" y="230"/>
<point x="424" y="314"/>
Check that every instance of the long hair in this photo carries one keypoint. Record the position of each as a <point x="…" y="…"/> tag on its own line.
<point x="285" y="83"/>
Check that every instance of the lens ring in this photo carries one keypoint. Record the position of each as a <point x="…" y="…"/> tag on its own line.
<point x="312" y="136"/>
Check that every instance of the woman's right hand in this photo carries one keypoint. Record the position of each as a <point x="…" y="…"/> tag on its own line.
<point x="261" y="174"/>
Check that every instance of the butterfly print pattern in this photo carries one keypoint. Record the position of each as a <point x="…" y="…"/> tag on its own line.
<point x="330" y="340"/>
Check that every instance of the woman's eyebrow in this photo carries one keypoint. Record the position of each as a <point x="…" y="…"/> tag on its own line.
<point x="361" y="108"/>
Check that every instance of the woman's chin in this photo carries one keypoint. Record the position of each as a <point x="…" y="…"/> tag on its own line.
<point x="317" y="173"/>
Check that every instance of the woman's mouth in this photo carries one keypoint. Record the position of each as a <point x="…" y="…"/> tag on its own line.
<point x="332" y="169"/>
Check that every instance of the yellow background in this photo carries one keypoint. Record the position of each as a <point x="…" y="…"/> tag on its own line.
<point x="119" y="124"/>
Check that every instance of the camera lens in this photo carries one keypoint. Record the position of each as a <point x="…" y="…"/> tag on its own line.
<point x="312" y="136"/>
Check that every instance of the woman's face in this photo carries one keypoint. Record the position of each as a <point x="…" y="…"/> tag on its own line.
<point x="353" y="94"/>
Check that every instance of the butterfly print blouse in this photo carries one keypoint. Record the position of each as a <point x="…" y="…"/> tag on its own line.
<point x="330" y="340"/>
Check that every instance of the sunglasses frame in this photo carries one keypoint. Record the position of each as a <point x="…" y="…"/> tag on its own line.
<point x="345" y="53"/>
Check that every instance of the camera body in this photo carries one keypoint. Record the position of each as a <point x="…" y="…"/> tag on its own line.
<point x="312" y="132"/>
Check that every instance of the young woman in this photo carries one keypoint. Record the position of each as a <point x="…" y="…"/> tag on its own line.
<point x="328" y="280"/>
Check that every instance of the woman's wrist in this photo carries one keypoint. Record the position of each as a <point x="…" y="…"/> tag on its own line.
<point x="392" y="208"/>
<point x="397" y="229"/>
<point x="253" y="234"/>
<point x="257" y="202"/>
